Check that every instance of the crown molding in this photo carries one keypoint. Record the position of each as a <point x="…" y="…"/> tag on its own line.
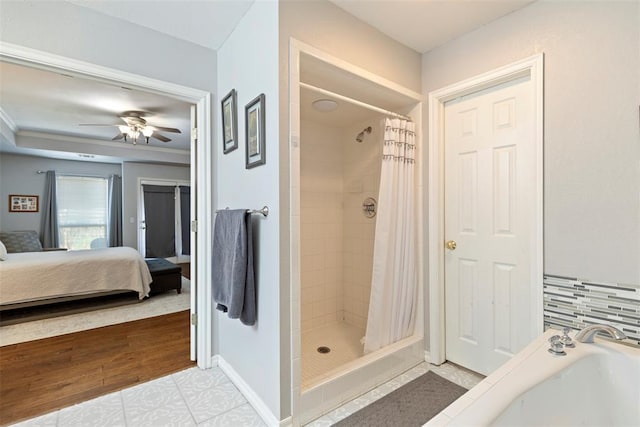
<point x="8" y="121"/>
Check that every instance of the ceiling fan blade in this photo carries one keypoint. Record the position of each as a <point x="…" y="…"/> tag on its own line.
<point x="96" y="124"/>
<point x="163" y="129"/>
<point x="117" y="137"/>
<point x="160" y="137"/>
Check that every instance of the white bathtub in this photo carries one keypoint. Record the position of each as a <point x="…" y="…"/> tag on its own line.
<point x="593" y="385"/>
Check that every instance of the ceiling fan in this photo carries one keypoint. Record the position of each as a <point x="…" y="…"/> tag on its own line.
<point x="135" y="125"/>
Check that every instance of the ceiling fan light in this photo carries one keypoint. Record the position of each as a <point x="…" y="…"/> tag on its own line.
<point x="147" y="132"/>
<point x="123" y="129"/>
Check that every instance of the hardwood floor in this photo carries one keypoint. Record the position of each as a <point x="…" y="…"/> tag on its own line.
<point x="40" y="376"/>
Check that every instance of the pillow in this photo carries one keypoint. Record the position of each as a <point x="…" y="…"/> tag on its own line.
<point x="21" y="241"/>
<point x="3" y="251"/>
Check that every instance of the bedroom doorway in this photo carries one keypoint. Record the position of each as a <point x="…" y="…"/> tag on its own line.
<point x="164" y="216"/>
<point x="200" y="162"/>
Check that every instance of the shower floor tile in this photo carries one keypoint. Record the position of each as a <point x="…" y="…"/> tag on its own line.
<point x="343" y="341"/>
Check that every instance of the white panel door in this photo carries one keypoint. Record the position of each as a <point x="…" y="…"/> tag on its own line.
<point x="489" y="206"/>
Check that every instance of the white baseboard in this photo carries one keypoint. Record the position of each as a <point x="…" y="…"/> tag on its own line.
<point x="254" y="400"/>
<point x="287" y="422"/>
<point x="427" y="358"/>
<point x="214" y="360"/>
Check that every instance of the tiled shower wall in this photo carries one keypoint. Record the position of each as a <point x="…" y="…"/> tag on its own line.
<point x="337" y="174"/>
<point x="361" y="180"/>
<point x="578" y="303"/>
<point x="321" y="185"/>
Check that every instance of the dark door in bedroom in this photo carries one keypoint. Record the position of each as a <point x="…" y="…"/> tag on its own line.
<point x="166" y="221"/>
<point x="160" y="220"/>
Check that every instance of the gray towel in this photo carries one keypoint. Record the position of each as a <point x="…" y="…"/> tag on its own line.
<point x="233" y="278"/>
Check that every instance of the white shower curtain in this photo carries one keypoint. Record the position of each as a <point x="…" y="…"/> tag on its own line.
<point x="392" y="307"/>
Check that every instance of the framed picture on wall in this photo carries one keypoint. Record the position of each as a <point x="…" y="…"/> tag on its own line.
<point x="254" y="123"/>
<point x="229" y="122"/>
<point x="22" y="203"/>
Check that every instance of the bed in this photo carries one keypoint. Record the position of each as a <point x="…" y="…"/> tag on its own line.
<point x="34" y="278"/>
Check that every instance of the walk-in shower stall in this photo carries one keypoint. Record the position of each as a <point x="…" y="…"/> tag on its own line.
<point x="350" y="123"/>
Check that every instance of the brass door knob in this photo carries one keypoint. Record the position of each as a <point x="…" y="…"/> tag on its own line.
<point x="451" y="245"/>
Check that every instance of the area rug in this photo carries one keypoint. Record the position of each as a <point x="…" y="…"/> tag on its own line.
<point x="413" y="404"/>
<point x="157" y="305"/>
<point x="66" y="308"/>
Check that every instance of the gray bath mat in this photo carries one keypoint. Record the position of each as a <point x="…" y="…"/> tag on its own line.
<point x="413" y="404"/>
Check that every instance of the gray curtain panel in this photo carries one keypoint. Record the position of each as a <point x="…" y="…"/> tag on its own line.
<point x="185" y="218"/>
<point x="160" y="219"/>
<point x="115" y="211"/>
<point x="49" y="222"/>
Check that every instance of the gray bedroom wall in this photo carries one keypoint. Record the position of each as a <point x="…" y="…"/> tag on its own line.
<point x="131" y="172"/>
<point x="591" y="137"/>
<point x="18" y="175"/>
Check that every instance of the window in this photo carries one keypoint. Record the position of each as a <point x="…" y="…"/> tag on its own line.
<point x="82" y="211"/>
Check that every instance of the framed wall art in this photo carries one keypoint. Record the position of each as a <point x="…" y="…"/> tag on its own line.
<point x="254" y="122"/>
<point x="229" y="122"/>
<point x="23" y="203"/>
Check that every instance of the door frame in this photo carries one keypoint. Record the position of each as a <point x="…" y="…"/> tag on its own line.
<point x="533" y="66"/>
<point x="202" y="155"/>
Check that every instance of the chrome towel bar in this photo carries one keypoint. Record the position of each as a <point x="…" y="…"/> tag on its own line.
<point x="264" y="211"/>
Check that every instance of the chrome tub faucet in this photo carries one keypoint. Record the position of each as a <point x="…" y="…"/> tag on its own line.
<point x="587" y="334"/>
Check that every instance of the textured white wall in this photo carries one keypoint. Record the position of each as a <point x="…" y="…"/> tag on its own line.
<point x="591" y="137"/>
<point x="327" y="27"/>
<point x="62" y="28"/>
<point x="249" y="63"/>
<point x="18" y="175"/>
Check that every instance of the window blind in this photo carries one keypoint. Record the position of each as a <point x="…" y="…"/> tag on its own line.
<point x="82" y="211"/>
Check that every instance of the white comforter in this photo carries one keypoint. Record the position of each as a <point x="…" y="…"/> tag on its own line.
<point x="31" y="276"/>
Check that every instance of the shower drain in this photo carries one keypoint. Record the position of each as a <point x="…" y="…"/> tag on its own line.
<point x="324" y="350"/>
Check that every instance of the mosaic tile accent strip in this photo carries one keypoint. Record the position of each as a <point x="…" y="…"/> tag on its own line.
<point x="578" y="303"/>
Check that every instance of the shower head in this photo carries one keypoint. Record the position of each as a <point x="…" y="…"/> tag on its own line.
<point x="360" y="136"/>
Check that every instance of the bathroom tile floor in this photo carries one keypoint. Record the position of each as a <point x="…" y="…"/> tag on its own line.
<point x="453" y="373"/>
<point x="194" y="397"/>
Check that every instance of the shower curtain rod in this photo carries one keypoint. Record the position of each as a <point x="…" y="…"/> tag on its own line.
<point x="354" y="101"/>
